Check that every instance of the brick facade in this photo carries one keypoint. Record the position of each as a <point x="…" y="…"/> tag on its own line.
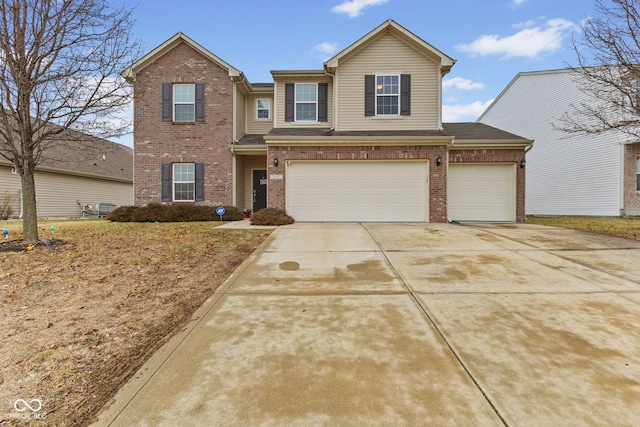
<point x="437" y="174"/>
<point x="631" y="194"/>
<point x="157" y="142"/>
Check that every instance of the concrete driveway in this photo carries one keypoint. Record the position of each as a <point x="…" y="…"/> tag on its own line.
<point x="392" y="325"/>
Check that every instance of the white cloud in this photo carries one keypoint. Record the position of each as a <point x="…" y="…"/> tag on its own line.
<point x="516" y="3"/>
<point x="530" y="42"/>
<point x="325" y="49"/>
<point x="353" y="8"/>
<point x="467" y="112"/>
<point x="461" y="84"/>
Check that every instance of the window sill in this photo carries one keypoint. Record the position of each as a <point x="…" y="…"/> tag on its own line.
<point x="387" y="117"/>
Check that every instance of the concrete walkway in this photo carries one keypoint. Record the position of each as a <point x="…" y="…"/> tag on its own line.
<point x="405" y="325"/>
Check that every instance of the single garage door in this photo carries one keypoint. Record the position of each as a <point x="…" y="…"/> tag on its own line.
<point x="357" y="191"/>
<point x="481" y="192"/>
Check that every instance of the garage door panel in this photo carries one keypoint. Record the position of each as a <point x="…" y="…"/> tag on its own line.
<point x="357" y="191"/>
<point x="481" y="192"/>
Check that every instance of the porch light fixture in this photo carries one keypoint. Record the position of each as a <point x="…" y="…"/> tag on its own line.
<point x="439" y="160"/>
<point x="275" y="161"/>
<point x="523" y="162"/>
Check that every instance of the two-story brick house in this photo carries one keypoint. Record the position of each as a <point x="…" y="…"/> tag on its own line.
<point x="361" y="139"/>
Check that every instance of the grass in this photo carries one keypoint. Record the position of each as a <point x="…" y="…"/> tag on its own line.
<point x="77" y="323"/>
<point x="622" y="227"/>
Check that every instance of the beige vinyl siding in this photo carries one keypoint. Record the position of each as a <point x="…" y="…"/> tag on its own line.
<point x="241" y="117"/>
<point x="250" y="164"/>
<point x="57" y="194"/>
<point x="255" y="126"/>
<point x="388" y="55"/>
<point x="240" y="177"/>
<point x="10" y="189"/>
<point x="279" y="87"/>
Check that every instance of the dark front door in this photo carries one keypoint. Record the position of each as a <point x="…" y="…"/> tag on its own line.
<point x="259" y="190"/>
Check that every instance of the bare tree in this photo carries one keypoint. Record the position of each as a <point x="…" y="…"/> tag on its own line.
<point x="608" y="71"/>
<point x="59" y="73"/>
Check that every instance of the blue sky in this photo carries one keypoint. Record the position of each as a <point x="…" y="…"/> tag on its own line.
<point x="491" y="40"/>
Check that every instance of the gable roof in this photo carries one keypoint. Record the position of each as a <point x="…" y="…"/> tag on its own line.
<point x="390" y="26"/>
<point x="142" y="63"/>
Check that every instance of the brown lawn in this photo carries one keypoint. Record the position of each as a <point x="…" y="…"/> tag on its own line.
<point x="622" y="227"/>
<point x="77" y="323"/>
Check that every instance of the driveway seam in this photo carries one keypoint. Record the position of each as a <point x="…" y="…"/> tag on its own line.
<point x="412" y="295"/>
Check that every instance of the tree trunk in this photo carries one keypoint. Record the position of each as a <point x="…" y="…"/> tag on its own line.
<point x="29" y="213"/>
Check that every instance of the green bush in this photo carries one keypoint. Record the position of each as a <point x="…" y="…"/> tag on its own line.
<point x="182" y="212"/>
<point x="271" y="216"/>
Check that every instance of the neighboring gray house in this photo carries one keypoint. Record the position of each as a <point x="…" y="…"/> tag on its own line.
<point x="566" y="174"/>
<point x="74" y="178"/>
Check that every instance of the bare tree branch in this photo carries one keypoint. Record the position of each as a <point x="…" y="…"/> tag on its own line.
<point x="60" y="64"/>
<point x="608" y="71"/>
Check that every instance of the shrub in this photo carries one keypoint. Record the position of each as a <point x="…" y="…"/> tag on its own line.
<point x="271" y="216"/>
<point x="7" y="203"/>
<point x="152" y="212"/>
<point x="121" y="214"/>
<point x="182" y="212"/>
<point x="232" y="214"/>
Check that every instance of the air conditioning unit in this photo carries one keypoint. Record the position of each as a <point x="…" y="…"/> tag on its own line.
<point x="105" y="209"/>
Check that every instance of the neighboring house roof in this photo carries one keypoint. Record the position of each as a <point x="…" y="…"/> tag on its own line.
<point x="89" y="156"/>
<point x="446" y="62"/>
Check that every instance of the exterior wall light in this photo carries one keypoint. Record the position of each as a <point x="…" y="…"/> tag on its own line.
<point x="523" y="162"/>
<point x="439" y="160"/>
<point x="275" y="161"/>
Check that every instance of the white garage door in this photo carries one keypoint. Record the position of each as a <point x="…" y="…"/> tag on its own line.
<point x="357" y="191"/>
<point x="481" y="192"/>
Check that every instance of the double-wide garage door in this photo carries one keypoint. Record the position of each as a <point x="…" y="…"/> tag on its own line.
<point x="481" y="192"/>
<point x="357" y="191"/>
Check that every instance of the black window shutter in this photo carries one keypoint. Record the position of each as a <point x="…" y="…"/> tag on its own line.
<point x="199" y="182"/>
<point x="370" y="95"/>
<point x="323" y="95"/>
<point x="405" y="94"/>
<point x="199" y="102"/>
<point x="289" y="102"/>
<point x="166" y="102"/>
<point x="166" y="182"/>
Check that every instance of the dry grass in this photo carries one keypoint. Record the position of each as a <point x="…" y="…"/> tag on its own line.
<point x="77" y="323"/>
<point x="622" y="227"/>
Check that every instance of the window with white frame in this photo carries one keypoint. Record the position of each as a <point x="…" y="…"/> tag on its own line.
<point x="387" y="95"/>
<point x="184" y="186"/>
<point x="263" y="109"/>
<point x="306" y="102"/>
<point x="184" y="102"/>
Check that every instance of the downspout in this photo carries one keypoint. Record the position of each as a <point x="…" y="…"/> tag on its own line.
<point x="333" y="107"/>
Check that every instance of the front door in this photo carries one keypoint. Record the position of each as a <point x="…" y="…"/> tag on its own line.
<point x="259" y="190"/>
